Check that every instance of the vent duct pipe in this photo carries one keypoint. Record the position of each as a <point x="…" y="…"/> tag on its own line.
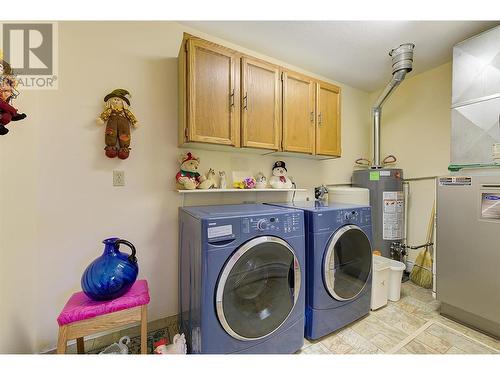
<point x="402" y="63"/>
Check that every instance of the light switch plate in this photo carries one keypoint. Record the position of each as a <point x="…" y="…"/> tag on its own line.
<point x="118" y="178"/>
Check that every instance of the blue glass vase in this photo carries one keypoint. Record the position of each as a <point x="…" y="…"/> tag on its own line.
<point x="112" y="274"/>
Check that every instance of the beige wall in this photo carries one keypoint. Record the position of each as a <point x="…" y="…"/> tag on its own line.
<point x="416" y="123"/>
<point x="57" y="201"/>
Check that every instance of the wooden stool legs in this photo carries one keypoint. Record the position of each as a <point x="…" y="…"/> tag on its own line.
<point x="101" y="323"/>
<point x="80" y="346"/>
<point x="62" y="339"/>
<point x="144" y="329"/>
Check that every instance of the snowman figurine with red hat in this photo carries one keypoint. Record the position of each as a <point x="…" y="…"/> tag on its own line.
<point x="279" y="180"/>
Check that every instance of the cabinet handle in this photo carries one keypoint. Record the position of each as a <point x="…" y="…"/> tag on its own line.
<point x="231" y="99"/>
<point x="320" y="120"/>
<point x="245" y="102"/>
<point x="312" y="116"/>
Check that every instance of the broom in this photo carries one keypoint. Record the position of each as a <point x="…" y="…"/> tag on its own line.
<point x="421" y="274"/>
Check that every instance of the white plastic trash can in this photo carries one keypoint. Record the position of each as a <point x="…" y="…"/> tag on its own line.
<point x="380" y="282"/>
<point x="395" y="276"/>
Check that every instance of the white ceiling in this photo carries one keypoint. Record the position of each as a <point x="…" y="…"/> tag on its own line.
<point x="350" y="52"/>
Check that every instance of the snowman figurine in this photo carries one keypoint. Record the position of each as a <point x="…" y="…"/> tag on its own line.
<point x="279" y="179"/>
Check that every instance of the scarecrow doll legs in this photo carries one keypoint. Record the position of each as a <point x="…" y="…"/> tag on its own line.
<point x="117" y="131"/>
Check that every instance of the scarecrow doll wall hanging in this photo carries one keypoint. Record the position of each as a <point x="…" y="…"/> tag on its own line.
<point x="118" y="119"/>
<point x="8" y="92"/>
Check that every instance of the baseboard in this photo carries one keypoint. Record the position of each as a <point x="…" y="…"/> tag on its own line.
<point x="109" y="337"/>
<point x="473" y="321"/>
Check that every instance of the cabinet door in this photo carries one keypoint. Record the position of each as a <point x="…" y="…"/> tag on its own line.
<point x="298" y="113"/>
<point x="211" y="116"/>
<point x="328" y="119"/>
<point x="260" y="104"/>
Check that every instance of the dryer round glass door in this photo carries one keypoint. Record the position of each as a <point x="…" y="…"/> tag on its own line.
<point x="347" y="263"/>
<point x="258" y="288"/>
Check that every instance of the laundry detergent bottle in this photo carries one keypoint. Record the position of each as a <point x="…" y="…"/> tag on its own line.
<point x="112" y="274"/>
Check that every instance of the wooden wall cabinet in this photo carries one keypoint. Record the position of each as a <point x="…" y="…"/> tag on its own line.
<point x="209" y="95"/>
<point x="298" y="113"/>
<point x="327" y="119"/>
<point x="260" y="104"/>
<point x="227" y="98"/>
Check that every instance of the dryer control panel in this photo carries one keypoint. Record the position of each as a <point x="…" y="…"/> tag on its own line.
<point x="331" y="220"/>
<point x="358" y="216"/>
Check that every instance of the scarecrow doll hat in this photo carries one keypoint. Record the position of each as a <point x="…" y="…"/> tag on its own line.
<point x="118" y="93"/>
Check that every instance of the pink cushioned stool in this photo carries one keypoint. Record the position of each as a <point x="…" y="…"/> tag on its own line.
<point x="82" y="316"/>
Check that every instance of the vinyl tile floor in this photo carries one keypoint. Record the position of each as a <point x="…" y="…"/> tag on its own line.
<point x="411" y="325"/>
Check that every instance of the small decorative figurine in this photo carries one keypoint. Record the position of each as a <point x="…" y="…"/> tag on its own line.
<point x="120" y="347"/>
<point x="321" y="193"/>
<point x="279" y="179"/>
<point x="238" y="185"/>
<point x="119" y="119"/>
<point x="249" y="183"/>
<point x="222" y="180"/>
<point x="8" y="93"/>
<point x="211" y="177"/>
<point x="260" y="181"/>
<point x="177" y="347"/>
<point x="188" y="177"/>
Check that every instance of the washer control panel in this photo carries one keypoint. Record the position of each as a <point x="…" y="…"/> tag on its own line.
<point x="284" y="223"/>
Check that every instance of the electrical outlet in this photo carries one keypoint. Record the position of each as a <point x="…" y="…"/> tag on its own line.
<point x="118" y="178"/>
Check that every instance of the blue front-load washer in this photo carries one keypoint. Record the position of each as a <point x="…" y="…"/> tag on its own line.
<point x="241" y="272"/>
<point x="338" y="264"/>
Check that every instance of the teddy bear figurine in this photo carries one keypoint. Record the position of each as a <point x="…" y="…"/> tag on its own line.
<point x="188" y="177"/>
<point x="279" y="179"/>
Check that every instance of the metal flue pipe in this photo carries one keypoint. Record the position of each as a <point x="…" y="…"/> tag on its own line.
<point x="402" y="63"/>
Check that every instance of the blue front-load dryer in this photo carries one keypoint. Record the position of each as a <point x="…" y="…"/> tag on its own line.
<point x="338" y="264"/>
<point x="242" y="270"/>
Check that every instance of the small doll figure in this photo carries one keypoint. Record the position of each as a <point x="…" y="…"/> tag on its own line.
<point x="119" y="119"/>
<point x="222" y="180"/>
<point x="8" y="92"/>
<point x="260" y="181"/>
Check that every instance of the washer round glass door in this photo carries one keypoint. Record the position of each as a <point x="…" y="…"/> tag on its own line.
<point x="347" y="263"/>
<point x="258" y="288"/>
